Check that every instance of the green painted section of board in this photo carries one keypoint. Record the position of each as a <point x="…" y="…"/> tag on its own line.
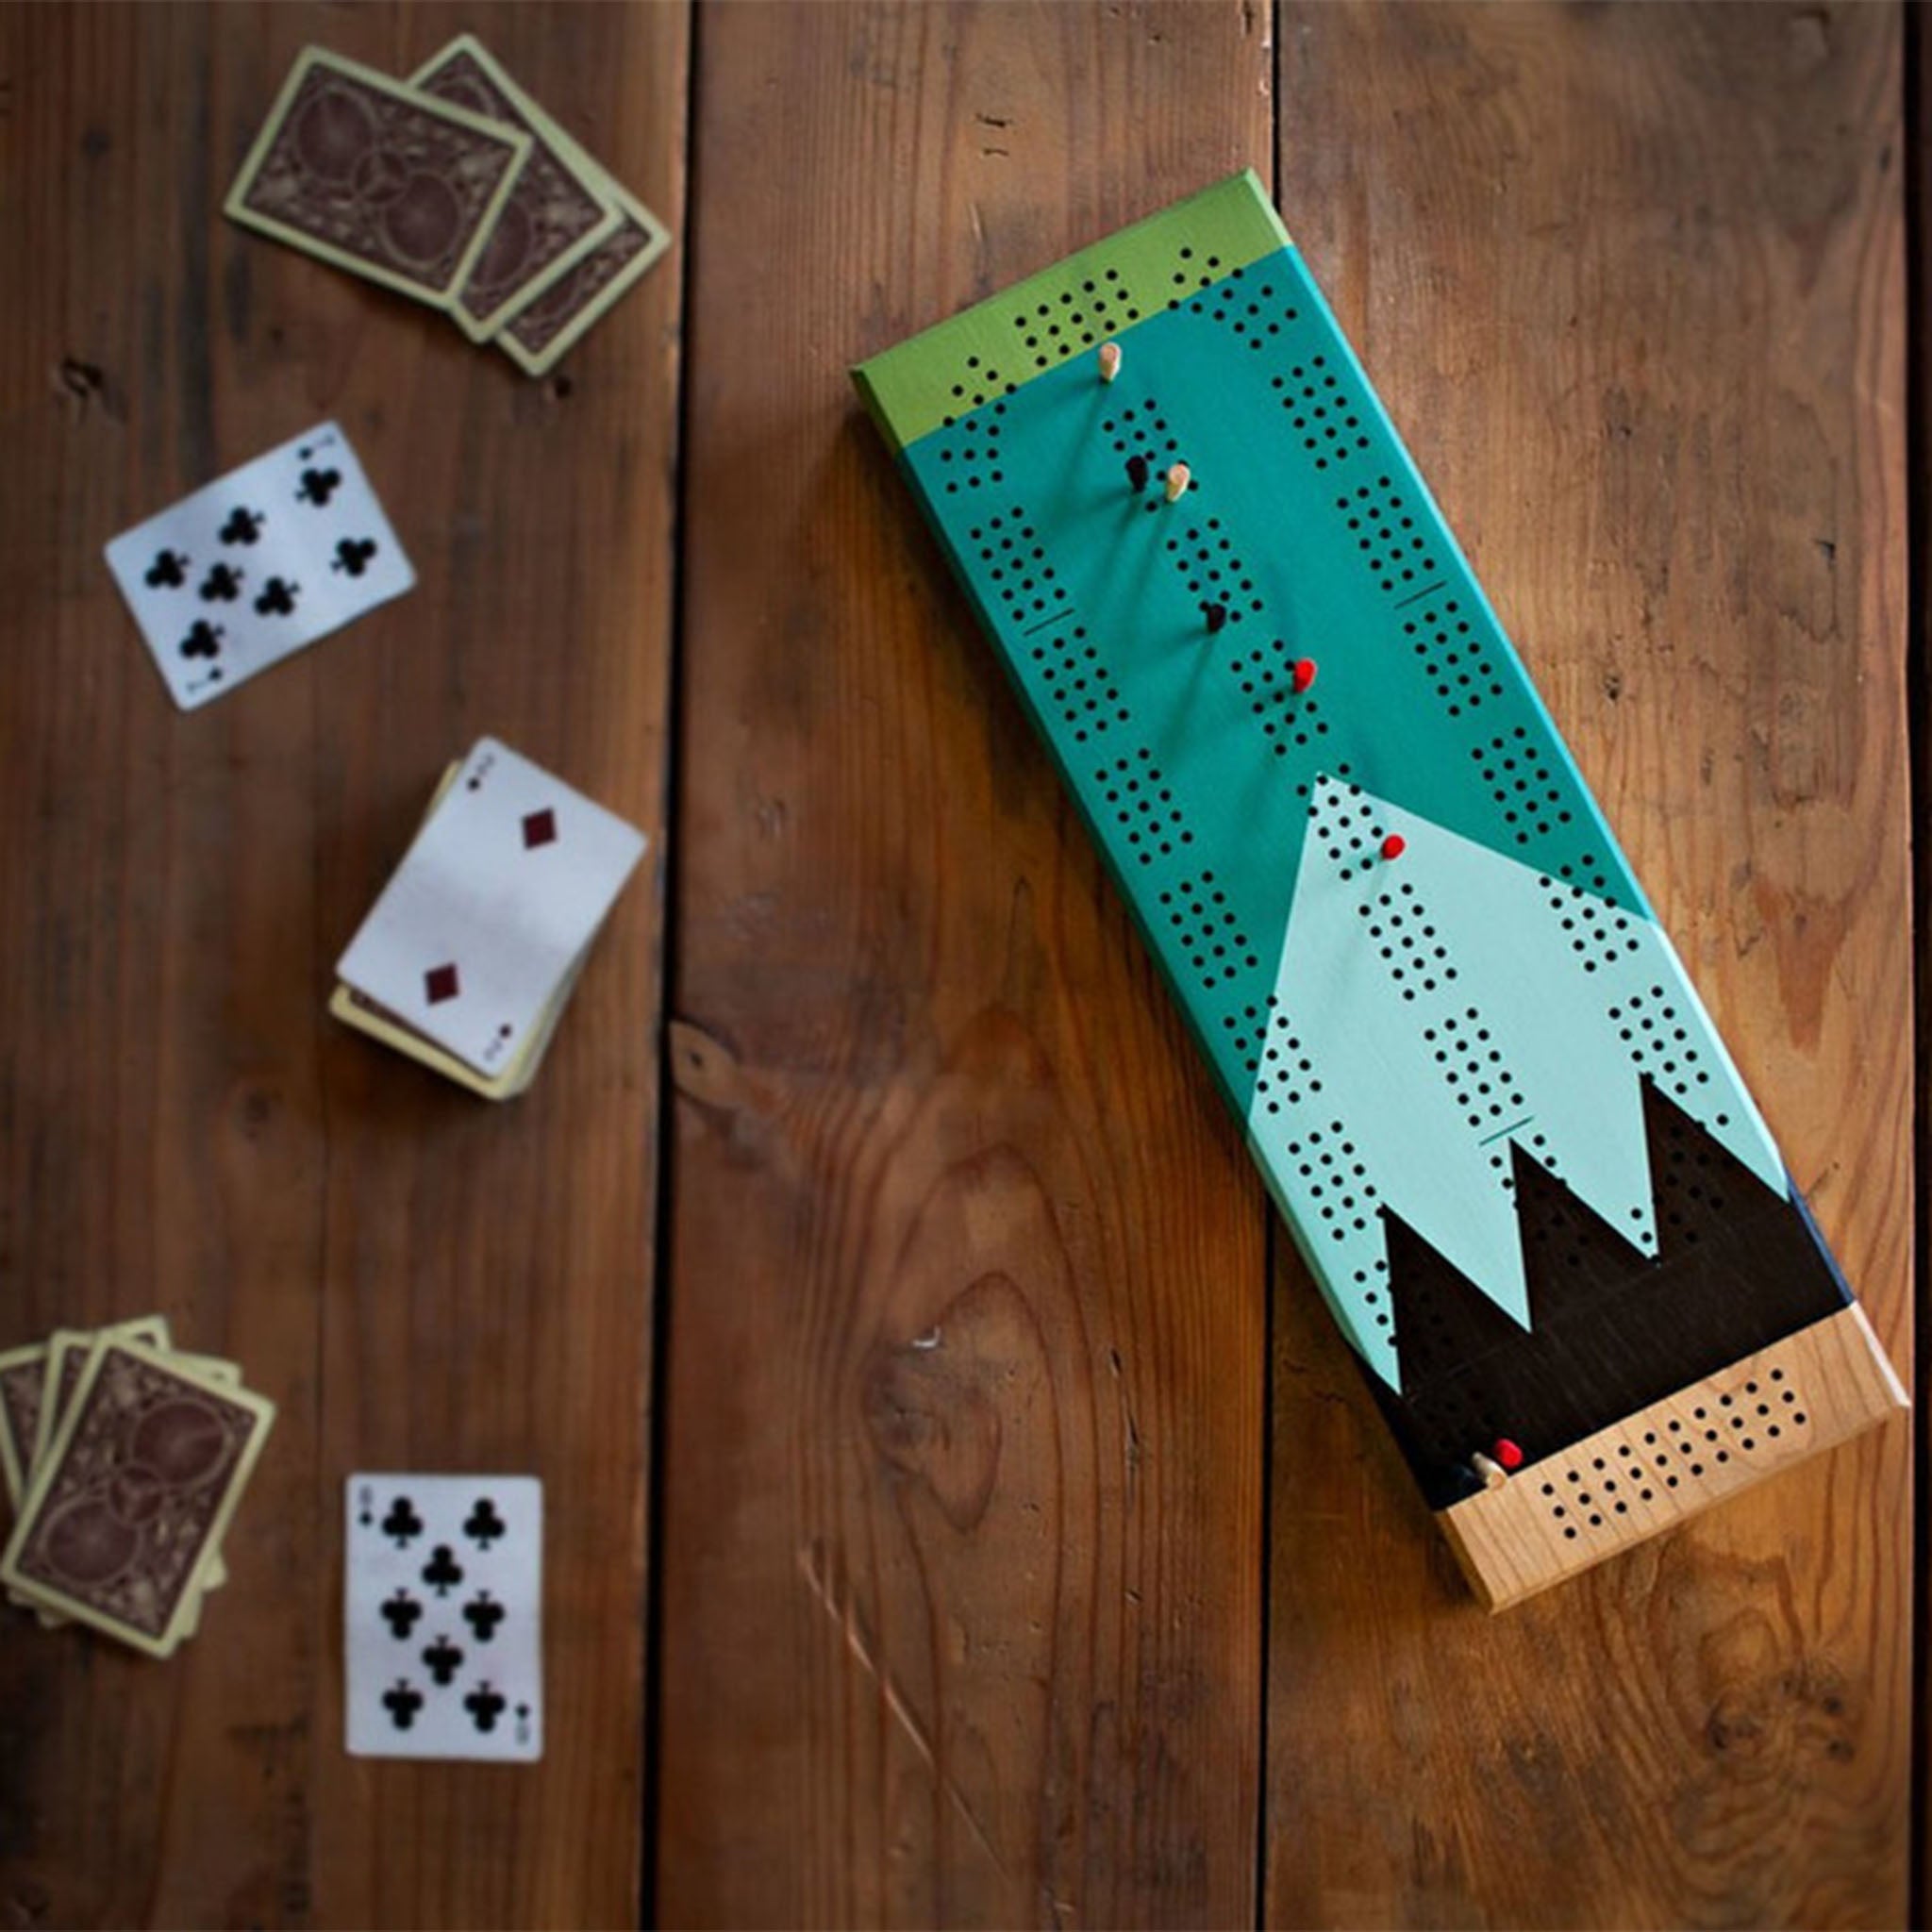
<point x="1061" y="313"/>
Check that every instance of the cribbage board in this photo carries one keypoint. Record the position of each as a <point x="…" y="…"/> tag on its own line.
<point x="1500" y="1126"/>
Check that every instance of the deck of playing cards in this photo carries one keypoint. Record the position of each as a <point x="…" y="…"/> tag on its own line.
<point x="124" y="1459"/>
<point x="442" y="1601"/>
<point x="469" y="957"/>
<point x="257" y="564"/>
<point x="454" y="187"/>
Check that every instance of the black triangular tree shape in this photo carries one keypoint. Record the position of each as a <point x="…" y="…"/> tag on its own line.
<point x="1738" y="1266"/>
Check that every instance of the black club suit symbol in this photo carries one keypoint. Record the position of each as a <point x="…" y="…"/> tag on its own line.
<point x="277" y="598"/>
<point x="168" y="571"/>
<point x="402" y="1703"/>
<point x="243" y="527"/>
<point x="318" y="486"/>
<point x="485" y="1705"/>
<point x="353" y="555"/>
<point x="442" y="1573"/>
<point x="483" y="1525"/>
<point x="204" y="640"/>
<point x="483" y="1614"/>
<point x="402" y="1522"/>
<point x="400" y="1612"/>
<point x="221" y="585"/>
<point x="442" y="1659"/>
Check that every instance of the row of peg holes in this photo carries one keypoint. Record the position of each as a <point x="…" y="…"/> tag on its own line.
<point x="1267" y="681"/>
<point x="1070" y="668"/>
<point x="1720" y="1427"/>
<point x="1142" y="800"/>
<point x="1659" y="1046"/>
<point x="1408" y="942"/>
<point x="1016" y="560"/>
<point x="1208" y="930"/>
<point x="1210" y="568"/>
<point x="1453" y="660"/>
<point x="1385" y="533"/>
<point x="1143" y="431"/>
<point x="1064" y="326"/>
<point x="1520" y="782"/>
<point x="1601" y="932"/>
<point x="968" y="454"/>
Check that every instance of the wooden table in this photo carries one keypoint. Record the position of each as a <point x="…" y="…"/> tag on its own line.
<point x="961" y="1509"/>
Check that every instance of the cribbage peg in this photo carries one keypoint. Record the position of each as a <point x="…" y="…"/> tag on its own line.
<point x="1303" y="673"/>
<point x="1178" y="477"/>
<point x="1508" y="1453"/>
<point x="1137" y="471"/>
<point x="1216" y="615"/>
<point x="1493" y="1472"/>
<point x="1110" y="360"/>
<point x="1394" y="846"/>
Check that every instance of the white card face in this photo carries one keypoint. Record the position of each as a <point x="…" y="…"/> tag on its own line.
<point x="251" y="568"/>
<point x="501" y="892"/>
<point x="443" y="1606"/>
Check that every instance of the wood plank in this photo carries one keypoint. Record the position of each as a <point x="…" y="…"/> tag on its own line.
<point x="961" y="1522"/>
<point x="418" y="1278"/>
<point x="1630" y="281"/>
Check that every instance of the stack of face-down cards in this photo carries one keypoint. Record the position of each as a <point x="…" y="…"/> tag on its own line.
<point x="124" y="1459"/>
<point x="442" y="1601"/>
<point x="454" y="187"/>
<point x="259" y="564"/>
<point x="469" y="957"/>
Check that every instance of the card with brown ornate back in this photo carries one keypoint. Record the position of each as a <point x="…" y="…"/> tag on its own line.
<point x="134" y="1495"/>
<point x="368" y="173"/>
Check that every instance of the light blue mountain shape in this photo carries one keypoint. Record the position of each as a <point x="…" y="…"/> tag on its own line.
<point x="1447" y="1003"/>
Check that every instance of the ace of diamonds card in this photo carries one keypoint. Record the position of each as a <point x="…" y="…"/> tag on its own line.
<point x="492" y="905"/>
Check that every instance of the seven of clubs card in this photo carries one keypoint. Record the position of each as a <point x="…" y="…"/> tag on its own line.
<point x="441" y="1616"/>
<point x="252" y="567"/>
<point x="505" y="887"/>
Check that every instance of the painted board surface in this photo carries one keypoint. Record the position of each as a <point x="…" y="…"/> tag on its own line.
<point x="1508" y="1139"/>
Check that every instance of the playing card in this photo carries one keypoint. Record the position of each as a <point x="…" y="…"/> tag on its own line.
<point x="135" y="1491"/>
<point x="505" y="886"/>
<point x="556" y="211"/>
<point x="539" y="332"/>
<point x="23" y="1375"/>
<point x="358" y="1010"/>
<point x="251" y="568"/>
<point x="67" y="1351"/>
<point x="377" y="178"/>
<point x="443" y="1604"/>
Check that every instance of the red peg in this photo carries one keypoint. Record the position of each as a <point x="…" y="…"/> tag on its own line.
<point x="1304" y="672"/>
<point x="1393" y="846"/>
<point x="1508" y="1453"/>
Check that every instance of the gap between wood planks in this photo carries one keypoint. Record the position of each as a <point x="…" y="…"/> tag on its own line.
<point x="1918" y="189"/>
<point x="651" y="1757"/>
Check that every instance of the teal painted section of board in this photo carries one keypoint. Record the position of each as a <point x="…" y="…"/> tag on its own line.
<point x="1447" y="1007"/>
<point x="1155" y="644"/>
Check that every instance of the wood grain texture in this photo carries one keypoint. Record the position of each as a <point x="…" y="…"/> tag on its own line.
<point x="1630" y="281"/>
<point x="419" y="1279"/>
<point x="1670" y="1461"/>
<point x="962" y="1452"/>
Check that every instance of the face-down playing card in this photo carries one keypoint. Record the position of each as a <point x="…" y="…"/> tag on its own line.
<point x="505" y="887"/>
<point x="363" y="171"/>
<point x="252" y="567"/>
<point x="442" y="1616"/>
<point x="135" y="1495"/>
